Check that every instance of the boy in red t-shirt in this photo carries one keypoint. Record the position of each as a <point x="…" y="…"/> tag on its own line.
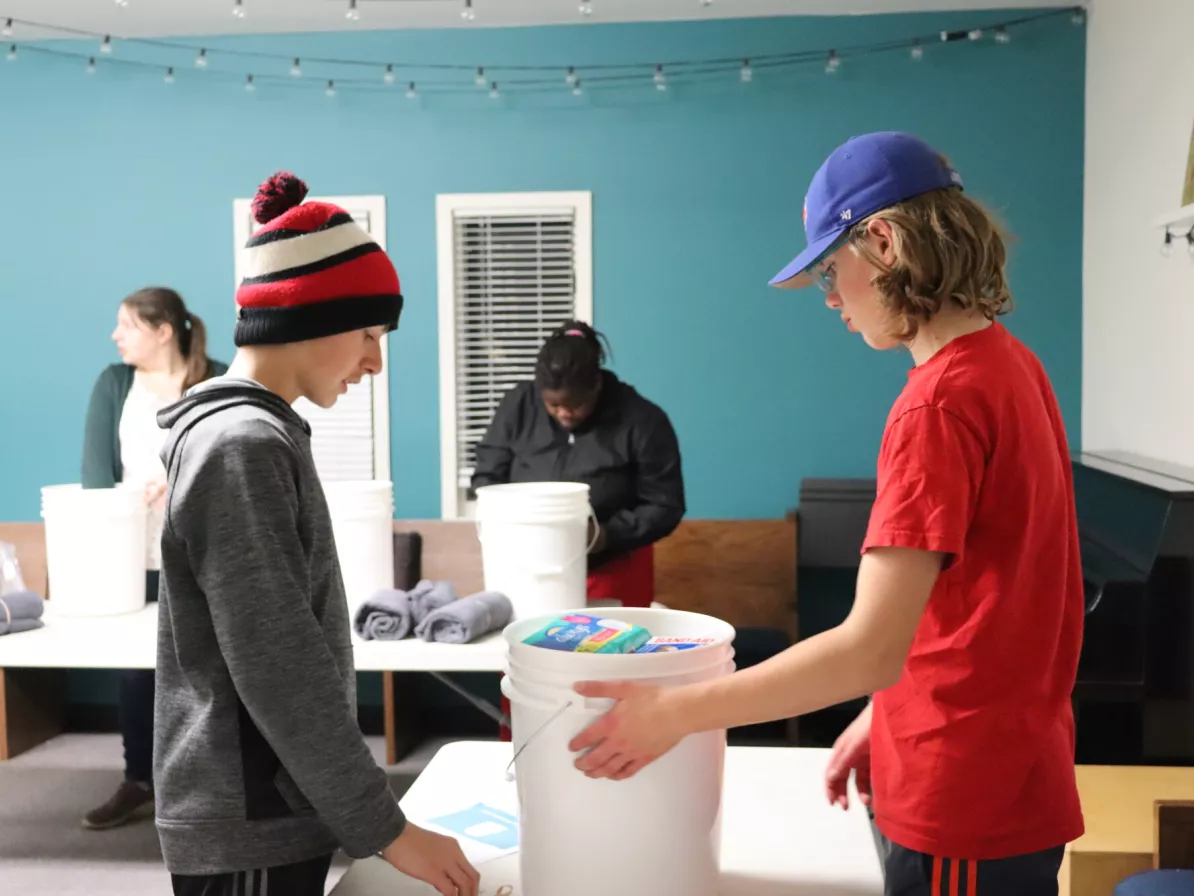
<point x="967" y="621"/>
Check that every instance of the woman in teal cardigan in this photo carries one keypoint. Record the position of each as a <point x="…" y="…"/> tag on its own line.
<point x="163" y="352"/>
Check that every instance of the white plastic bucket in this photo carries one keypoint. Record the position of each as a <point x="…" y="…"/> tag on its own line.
<point x="95" y="549"/>
<point x="362" y="514"/>
<point x="660" y="831"/>
<point x="535" y="544"/>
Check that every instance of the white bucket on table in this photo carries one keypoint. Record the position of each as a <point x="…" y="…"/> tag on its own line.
<point x="362" y="514"/>
<point x="657" y="832"/>
<point x="95" y="549"/>
<point x="535" y="544"/>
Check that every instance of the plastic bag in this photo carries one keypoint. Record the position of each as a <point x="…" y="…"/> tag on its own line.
<point x="10" y="570"/>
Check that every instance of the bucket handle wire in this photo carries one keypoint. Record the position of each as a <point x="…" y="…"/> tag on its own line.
<point x="588" y="703"/>
<point x="526" y="743"/>
<point x="555" y="570"/>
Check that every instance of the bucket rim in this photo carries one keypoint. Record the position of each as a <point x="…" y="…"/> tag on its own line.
<point x="633" y="615"/>
<point x="529" y="489"/>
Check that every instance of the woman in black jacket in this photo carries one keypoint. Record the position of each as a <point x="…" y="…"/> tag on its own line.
<point x="577" y="422"/>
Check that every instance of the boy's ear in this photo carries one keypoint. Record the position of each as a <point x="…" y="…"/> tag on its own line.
<point x="882" y="239"/>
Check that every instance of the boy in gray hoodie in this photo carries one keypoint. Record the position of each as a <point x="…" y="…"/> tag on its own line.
<point x="261" y="770"/>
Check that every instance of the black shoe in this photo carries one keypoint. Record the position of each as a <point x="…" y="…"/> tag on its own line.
<point x="128" y="802"/>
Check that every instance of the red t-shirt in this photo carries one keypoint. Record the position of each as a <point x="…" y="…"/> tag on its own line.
<point x="973" y="749"/>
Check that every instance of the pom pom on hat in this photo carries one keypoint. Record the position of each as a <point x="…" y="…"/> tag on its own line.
<point x="278" y="195"/>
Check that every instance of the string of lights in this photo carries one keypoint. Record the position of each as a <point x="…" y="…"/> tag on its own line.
<point x="286" y="69"/>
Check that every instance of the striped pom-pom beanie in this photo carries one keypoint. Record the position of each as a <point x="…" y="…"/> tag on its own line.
<point x="310" y="271"/>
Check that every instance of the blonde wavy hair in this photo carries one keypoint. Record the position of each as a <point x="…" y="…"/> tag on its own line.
<point x="948" y="249"/>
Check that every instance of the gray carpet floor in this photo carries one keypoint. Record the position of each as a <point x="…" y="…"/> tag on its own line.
<point x="45" y="850"/>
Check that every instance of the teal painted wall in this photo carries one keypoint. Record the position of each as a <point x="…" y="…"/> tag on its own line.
<point x="118" y="180"/>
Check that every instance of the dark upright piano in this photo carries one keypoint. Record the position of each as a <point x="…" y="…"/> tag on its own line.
<point x="1134" y="698"/>
<point x="1135" y="693"/>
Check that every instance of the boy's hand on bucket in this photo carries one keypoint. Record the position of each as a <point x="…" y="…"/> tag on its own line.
<point x="640" y="728"/>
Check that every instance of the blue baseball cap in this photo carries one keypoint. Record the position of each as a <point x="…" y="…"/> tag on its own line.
<point x="862" y="176"/>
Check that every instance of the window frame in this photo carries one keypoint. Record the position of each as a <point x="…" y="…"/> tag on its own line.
<point x="447" y="207"/>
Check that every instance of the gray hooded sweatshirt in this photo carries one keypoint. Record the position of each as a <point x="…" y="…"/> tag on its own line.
<point x="258" y="759"/>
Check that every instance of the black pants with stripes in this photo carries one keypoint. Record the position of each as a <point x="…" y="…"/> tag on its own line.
<point x="910" y="873"/>
<point x="300" y="879"/>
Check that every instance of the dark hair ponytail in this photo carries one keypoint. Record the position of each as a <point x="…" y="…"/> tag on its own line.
<point x="194" y="349"/>
<point x="159" y="305"/>
<point x="571" y="358"/>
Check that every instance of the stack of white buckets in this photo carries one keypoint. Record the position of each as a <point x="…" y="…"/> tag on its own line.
<point x="657" y="832"/>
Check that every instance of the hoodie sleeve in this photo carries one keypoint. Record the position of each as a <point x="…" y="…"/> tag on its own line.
<point x="495" y="451"/>
<point x="240" y="519"/>
<point x="659" y="489"/>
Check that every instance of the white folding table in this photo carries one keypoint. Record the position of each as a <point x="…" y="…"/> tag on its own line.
<point x="780" y="837"/>
<point x="31" y="692"/>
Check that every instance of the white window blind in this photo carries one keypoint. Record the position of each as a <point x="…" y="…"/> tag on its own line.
<point x="517" y="268"/>
<point x="350" y="440"/>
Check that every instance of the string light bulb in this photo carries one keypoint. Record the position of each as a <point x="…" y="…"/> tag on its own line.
<point x="585" y="8"/>
<point x="1001" y="36"/>
<point x="201" y="59"/>
<point x="249" y="85"/>
<point x="494" y="94"/>
<point x="353" y="14"/>
<point x="577" y="90"/>
<point x="411" y="92"/>
<point x="7" y="29"/>
<point x="296" y="69"/>
<point x="975" y="34"/>
<point x="917" y="52"/>
<point x="238" y="9"/>
<point x="570" y="79"/>
<point x="468" y="13"/>
<point x="481" y="82"/>
<point x="832" y="63"/>
<point x="91" y="66"/>
<point x="388" y="76"/>
<point x="660" y="78"/>
<point x="331" y="91"/>
<point x="12" y="53"/>
<point x="746" y="75"/>
<point x="106" y="46"/>
<point x="170" y="75"/>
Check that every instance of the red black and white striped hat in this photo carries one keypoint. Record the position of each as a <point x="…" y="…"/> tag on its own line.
<point x="311" y="271"/>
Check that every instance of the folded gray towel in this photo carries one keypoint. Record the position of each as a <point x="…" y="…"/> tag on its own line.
<point x="387" y="616"/>
<point x="427" y="597"/>
<point x="20" y="611"/>
<point x="466" y="619"/>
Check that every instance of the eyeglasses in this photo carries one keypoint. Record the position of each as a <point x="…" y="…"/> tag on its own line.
<point x="825" y="275"/>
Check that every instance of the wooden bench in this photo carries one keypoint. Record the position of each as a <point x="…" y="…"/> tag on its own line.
<point x="742" y="571"/>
